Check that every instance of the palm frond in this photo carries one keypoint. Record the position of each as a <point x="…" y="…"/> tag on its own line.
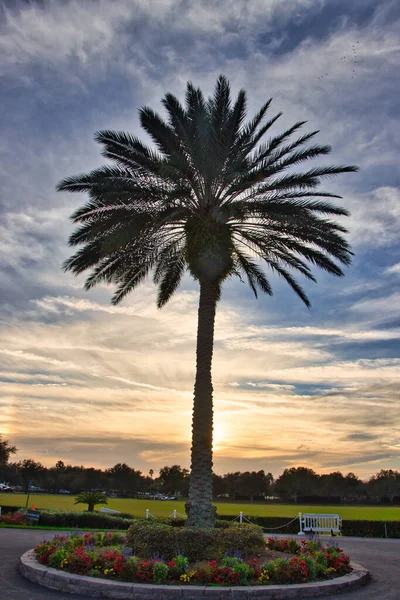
<point x="254" y="274"/>
<point x="161" y="133"/>
<point x="128" y="151"/>
<point x="296" y="287"/>
<point x="213" y="173"/>
<point x="131" y="275"/>
<point x="219" y="106"/>
<point x="249" y="130"/>
<point x="85" y="181"/>
<point x="275" y="153"/>
<point x="170" y="280"/>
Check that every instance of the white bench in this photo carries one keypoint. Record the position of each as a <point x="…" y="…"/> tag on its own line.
<point x="319" y="523"/>
<point x="110" y="511"/>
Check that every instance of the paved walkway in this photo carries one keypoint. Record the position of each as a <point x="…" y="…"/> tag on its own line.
<point x="381" y="557"/>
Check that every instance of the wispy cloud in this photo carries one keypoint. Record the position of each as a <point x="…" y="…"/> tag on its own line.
<point x="393" y="269"/>
<point x="386" y="306"/>
<point x="68" y="358"/>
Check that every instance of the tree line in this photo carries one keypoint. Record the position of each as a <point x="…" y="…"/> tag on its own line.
<point x="296" y="484"/>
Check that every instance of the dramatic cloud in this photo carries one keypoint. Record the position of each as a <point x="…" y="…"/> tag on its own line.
<point x="111" y="384"/>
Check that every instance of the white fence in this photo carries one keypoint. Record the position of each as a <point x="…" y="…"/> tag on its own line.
<point x="173" y="515"/>
<point x="309" y="523"/>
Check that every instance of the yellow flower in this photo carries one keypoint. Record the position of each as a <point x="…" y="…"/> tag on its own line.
<point x="264" y="577"/>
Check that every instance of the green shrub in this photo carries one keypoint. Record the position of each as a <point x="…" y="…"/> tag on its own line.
<point x="160" y="572"/>
<point x="129" y="573"/>
<point x="320" y="558"/>
<point x="230" y="561"/>
<point x="294" y="547"/>
<point x="178" y="522"/>
<point x="243" y="571"/>
<point x="311" y="567"/>
<point x="57" y="557"/>
<point x="196" y="543"/>
<point x="247" y="539"/>
<point x="61" y="518"/>
<point x="148" y="538"/>
<point x="221" y="524"/>
<point x="181" y="563"/>
<point x="268" y="523"/>
<point x="5" y="510"/>
<point x="371" y="528"/>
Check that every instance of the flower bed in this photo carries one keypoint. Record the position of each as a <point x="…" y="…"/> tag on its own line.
<point x="107" y="555"/>
<point x="15" y="518"/>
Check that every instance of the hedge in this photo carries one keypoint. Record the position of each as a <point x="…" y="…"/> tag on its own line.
<point x="148" y="539"/>
<point x="371" y="528"/>
<point x="6" y="510"/>
<point x="61" y="518"/>
<point x="270" y="523"/>
<point x="349" y="527"/>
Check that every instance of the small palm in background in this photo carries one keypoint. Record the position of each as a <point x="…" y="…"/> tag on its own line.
<point x="91" y="499"/>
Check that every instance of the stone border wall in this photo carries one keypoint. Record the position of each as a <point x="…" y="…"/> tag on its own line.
<point x="101" y="588"/>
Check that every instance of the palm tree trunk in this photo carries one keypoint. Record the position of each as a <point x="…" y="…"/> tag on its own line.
<point x="199" y="509"/>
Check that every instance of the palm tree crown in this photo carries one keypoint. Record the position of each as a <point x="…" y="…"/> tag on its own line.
<point x="212" y="198"/>
<point x="91" y="499"/>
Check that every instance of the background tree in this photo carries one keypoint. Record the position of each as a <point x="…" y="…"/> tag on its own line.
<point x="295" y="482"/>
<point x="332" y="484"/>
<point x="5" y="451"/>
<point x="355" y="488"/>
<point x="125" y="479"/>
<point x="30" y="470"/>
<point x="220" y="487"/>
<point x="211" y="198"/>
<point x="385" y="484"/>
<point x="174" y="480"/>
<point x="254" y="483"/>
<point x="232" y="484"/>
<point x="91" y="499"/>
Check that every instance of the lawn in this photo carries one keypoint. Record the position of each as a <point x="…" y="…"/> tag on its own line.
<point x="160" y="508"/>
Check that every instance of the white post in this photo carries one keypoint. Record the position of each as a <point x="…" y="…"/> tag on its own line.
<point x="241" y="517"/>
<point x="147" y="513"/>
<point x="301" y="532"/>
<point x="174" y="514"/>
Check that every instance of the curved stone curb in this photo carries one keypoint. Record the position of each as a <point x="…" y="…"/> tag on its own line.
<point x="101" y="588"/>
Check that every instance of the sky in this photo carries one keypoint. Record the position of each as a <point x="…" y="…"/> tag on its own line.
<point x="92" y="384"/>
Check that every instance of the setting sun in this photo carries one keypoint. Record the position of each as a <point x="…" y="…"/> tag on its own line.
<point x="220" y="434"/>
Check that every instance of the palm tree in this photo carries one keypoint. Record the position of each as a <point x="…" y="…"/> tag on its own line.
<point x="214" y="199"/>
<point x="91" y="499"/>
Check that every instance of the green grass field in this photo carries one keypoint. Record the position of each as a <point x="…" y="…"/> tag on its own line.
<point x="164" y="508"/>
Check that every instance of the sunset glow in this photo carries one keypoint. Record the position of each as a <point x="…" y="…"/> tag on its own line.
<point x="90" y="383"/>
